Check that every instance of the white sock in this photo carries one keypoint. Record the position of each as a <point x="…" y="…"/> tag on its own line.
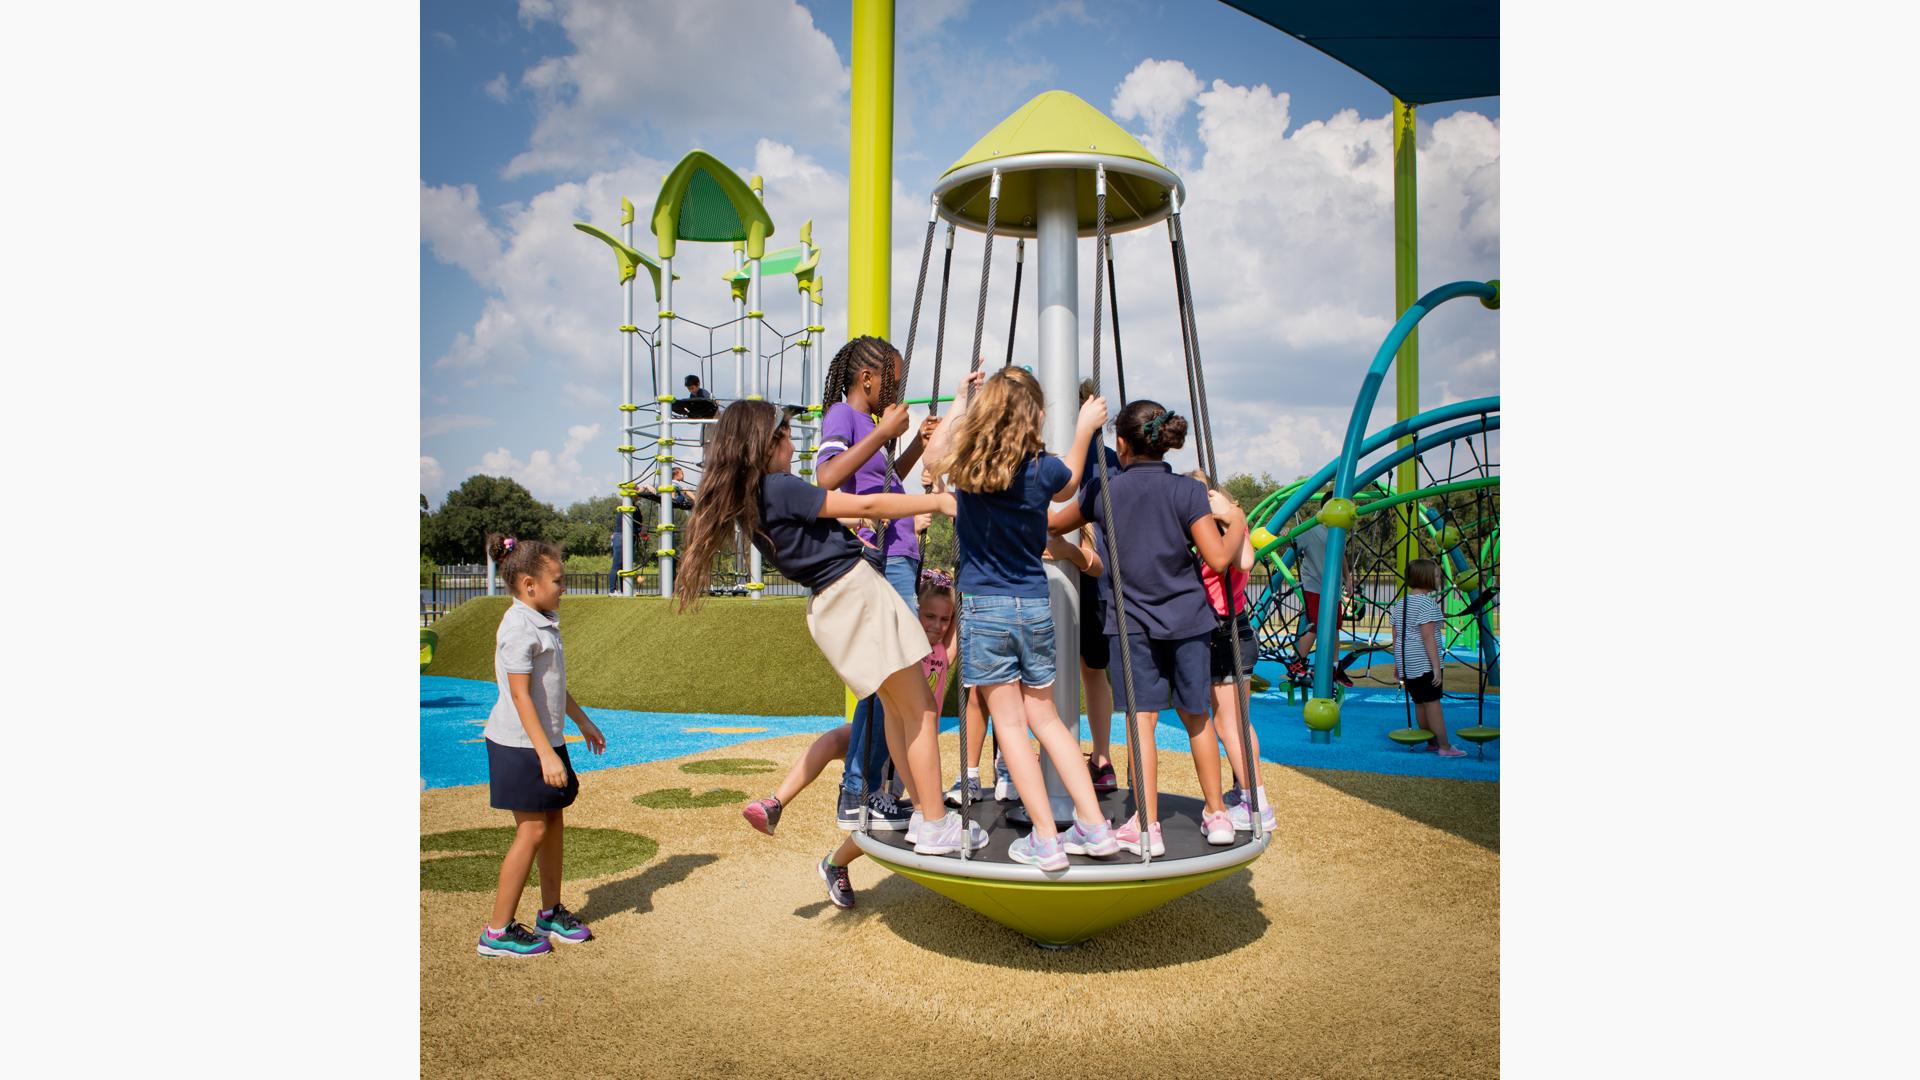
<point x="973" y="772"/>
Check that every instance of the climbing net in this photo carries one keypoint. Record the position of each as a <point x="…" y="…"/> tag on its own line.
<point x="1453" y="518"/>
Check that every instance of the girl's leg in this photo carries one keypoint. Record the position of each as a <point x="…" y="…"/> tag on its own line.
<point x="830" y="746"/>
<point x="1206" y="760"/>
<point x="1226" y="723"/>
<point x="551" y="849"/>
<point x="1099" y="712"/>
<point x="913" y="726"/>
<point x="846" y="852"/>
<point x="529" y="829"/>
<point x="1435" y="721"/>
<point x="975" y="720"/>
<point x="1146" y="786"/>
<point x="1023" y="765"/>
<point x="1060" y="745"/>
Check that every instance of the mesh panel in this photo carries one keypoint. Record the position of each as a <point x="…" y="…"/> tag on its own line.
<point x="706" y="214"/>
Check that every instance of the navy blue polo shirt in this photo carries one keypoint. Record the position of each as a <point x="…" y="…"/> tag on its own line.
<point x="808" y="549"/>
<point x="1002" y="534"/>
<point x="1153" y="513"/>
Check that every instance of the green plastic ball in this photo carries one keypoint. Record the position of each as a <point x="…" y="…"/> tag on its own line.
<point x="1322" y="714"/>
<point x="1467" y="580"/>
<point x="1339" y="514"/>
<point x="1449" y="538"/>
<point x="1493" y="304"/>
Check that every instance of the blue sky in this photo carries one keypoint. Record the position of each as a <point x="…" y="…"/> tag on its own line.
<point x="541" y="113"/>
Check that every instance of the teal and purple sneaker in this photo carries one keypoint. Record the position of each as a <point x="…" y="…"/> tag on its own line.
<point x="559" y="924"/>
<point x="516" y="940"/>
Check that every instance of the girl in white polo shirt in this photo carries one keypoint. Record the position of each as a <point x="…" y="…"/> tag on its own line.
<point x="528" y="770"/>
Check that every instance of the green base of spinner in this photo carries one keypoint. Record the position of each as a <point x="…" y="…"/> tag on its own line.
<point x="1060" y="914"/>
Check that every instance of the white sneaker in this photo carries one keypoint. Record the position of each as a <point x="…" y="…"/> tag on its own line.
<point x="913" y="826"/>
<point x="946" y="837"/>
<point x="1243" y="821"/>
<point x="1218" y="827"/>
<point x="1002" y="782"/>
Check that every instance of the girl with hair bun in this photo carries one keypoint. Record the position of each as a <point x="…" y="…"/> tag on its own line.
<point x="528" y="769"/>
<point x="1161" y="519"/>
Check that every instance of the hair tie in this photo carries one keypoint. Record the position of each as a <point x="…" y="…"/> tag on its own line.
<point x="1152" y="427"/>
<point x="507" y="544"/>
<point x="939" y="579"/>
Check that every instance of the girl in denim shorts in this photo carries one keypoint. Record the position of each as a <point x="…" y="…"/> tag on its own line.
<point x="1161" y="519"/>
<point x="990" y="450"/>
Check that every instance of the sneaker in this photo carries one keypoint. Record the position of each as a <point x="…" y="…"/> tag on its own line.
<point x="945" y="837"/>
<point x="1127" y="835"/>
<point x="839" y="886"/>
<point x="559" y="924"/>
<point x="515" y="940"/>
<point x="887" y="814"/>
<point x="1045" y="854"/>
<point x="914" y="821"/>
<point x="763" y="814"/>
<point x="1003" y="781"/>
<point x="1298" y="671"/>
<point x="975" y="793"/>
<point x="1243" y="821"/>
<point x="1340" y="676"/>
<point x="1231" y="797"/>
<point x="1451" y="751"/>
<point x="1104" y="779"/>
<point x="1218" y="827"/>
<point x="1089" y="840"/>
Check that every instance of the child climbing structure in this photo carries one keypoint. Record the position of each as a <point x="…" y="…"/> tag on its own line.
<point x="704" y="201"/>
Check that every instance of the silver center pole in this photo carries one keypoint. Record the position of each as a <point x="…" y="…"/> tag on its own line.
<point x="1056" y="264"/>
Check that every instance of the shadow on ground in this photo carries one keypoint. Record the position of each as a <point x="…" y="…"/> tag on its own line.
<point x="1468" y="809"/>
<point x="635" y="894"/>
<point x="1210" y="922"/>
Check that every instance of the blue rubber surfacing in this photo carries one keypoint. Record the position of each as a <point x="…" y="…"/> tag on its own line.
<point x="453" y="712"/>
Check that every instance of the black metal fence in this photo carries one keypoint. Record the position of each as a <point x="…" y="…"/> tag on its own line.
<point x="452" y="586"/>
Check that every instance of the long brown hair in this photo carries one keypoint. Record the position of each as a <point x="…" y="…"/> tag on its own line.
<point x="999" y="429"/>
<point x="737" y="456"/>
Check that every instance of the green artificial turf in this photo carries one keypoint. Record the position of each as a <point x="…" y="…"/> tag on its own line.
<point x="468" y="860"/>
<point x="731" y="656"/>
<point x="679" y="798"/>
<point x="729" y="766"/>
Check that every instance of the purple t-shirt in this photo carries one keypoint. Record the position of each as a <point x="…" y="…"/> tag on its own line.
<point x="841" y="429"/>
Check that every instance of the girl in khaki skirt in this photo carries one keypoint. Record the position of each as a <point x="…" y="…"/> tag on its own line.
<point x="868" y="634"/>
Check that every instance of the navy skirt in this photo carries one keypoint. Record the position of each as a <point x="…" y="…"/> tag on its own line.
<point x="514" y="781"/>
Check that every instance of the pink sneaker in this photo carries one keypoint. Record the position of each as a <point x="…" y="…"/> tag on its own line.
<point x="1451" y="751"/>
<point x="763" y="814"/>
<point x="1218" y="827"/>
<point x="1128" y="836"/>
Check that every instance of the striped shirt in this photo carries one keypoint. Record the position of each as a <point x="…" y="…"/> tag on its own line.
<point x="1414" y="610"/>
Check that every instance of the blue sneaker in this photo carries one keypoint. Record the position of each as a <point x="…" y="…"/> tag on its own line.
<point x="886" y="814"/>
<point x="515" y="941"/>
<point x="839" y="885"/>
<point x="1095" y="840"/>
<point x="559" y="924"/>
<point x="1045" y="854"/>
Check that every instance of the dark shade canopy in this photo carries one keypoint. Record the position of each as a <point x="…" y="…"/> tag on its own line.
<point x="1420" y="51"/>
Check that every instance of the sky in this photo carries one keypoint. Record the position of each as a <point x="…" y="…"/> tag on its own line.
<point x="542" y="113"/>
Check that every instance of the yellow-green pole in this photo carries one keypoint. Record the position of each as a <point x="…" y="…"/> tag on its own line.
<point x="870" y="179"/>
<point x="870" y="171"/>
<point x="1406" y="289"/>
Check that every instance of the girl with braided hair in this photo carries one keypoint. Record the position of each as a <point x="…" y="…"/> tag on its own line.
<point x="863" y="415"/>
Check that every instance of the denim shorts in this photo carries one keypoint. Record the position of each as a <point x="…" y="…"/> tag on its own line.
<point x="1006" y="639"/>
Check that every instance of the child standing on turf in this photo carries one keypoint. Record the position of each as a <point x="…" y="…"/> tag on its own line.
<point x="990" y="451"/>
<point x="937" y="619"/>
<point x="528" y="769"/>
<point x="1160" y="519"/>
<point x="1228" y="597"/>
<point x="863" y="383"/>
<point x="867" y="632"/>
<point x="1416" y="650"/>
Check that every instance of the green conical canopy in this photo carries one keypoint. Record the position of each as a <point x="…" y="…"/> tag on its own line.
<point x="1056" y="130"/>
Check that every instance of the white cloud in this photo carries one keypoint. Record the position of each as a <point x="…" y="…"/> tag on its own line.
<point x="430" y="474"/>
<point x="432" y="426"/>
<point x="558" y="478"/>
<point x="1157" y="93"/>
<point x="921" y="18"/>
<point x="1058" y="13"/>
<point x="445" y="40"/>
<point x="496" y="88"/>
<point x="682" y="72"/>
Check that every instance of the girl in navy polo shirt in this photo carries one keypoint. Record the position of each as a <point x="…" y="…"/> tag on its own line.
<point x="867" y="632"/>
<point x="991" y="453"/>
<point x="1161" y="518"/>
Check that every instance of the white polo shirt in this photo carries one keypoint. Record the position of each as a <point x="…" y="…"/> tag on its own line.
<point x="528" y="643"/>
